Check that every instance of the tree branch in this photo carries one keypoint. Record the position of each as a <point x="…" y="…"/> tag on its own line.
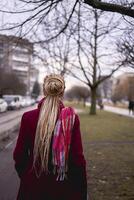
<point x="111" y="7"/>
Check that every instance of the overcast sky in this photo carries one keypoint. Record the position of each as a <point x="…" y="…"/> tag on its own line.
<point x="8" y="5"/>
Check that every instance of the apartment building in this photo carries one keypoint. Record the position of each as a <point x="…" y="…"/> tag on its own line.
<point x="16" y="55"/>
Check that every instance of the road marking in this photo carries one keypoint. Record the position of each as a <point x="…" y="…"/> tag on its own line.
<point x="10" y="143"/>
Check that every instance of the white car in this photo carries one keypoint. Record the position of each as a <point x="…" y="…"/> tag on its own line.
<point x="3" y="105"/>
<point x="30" y="101"/>
<point x="23" y="103"/>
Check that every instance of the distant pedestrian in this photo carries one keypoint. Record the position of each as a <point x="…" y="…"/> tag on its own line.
<point x="131" y="107"/>
<point x="100" y="104"/>
<point x="49" y="155"/>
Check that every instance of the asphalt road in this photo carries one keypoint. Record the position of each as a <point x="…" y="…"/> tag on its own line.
<point x="10" y="119"/>
<point x="9" y="182"/>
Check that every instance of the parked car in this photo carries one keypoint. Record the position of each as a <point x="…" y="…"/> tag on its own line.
<point x="23" y="103"/>
<point x="29" y="101"/>
<point x="13" y="101"/>
<point x="3" y="105"/>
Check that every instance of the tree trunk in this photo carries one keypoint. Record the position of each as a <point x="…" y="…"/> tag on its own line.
<point x="93" y="102"/>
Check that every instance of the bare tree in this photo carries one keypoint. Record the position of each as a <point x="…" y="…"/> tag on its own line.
<point x="49" y="21"/>
<point x="123" y="7"/>
<point x="56" y="53"/>
<point x="79" y="93"/>
<point x="125" y="47"/>
<point x="82" y="50"/>
<point x="92" y="49"/>
<point x="35" y="16"/>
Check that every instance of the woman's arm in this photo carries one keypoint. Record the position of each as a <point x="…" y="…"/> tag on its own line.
<point x="77" y="163"/>
<point x="20" y="154"/>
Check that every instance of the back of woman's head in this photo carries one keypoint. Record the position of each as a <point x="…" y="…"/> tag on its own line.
<point x="53" y="89"/>
<point x="53" y="85"/>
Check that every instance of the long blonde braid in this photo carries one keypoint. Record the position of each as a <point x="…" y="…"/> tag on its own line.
<point x="53" y="89"/>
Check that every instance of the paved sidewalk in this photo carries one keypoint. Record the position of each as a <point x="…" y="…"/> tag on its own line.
<point x="120" y="111"/>
<point x="78" y="110"/>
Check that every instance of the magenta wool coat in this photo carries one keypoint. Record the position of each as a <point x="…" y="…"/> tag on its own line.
<point x="46" y="187"/>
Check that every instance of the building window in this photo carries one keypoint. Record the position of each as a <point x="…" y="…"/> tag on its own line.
<point x="20" y="48"/>
<point x="20" y="57"/>
<point x="21" y="68"/>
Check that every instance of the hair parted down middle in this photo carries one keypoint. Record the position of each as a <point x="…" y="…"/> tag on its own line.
<point x="53" y="88"/>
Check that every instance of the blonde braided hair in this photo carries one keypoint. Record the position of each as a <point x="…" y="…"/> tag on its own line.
<point x="53" y="88"/>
